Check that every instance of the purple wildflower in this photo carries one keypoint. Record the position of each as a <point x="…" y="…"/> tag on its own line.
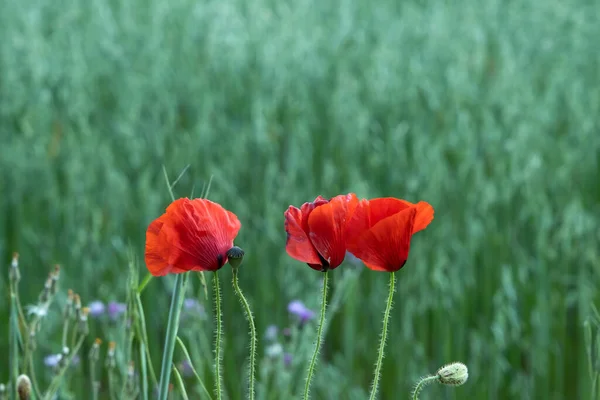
<point x="303" y="313"/>
<point x="52" y="360"/>
<point x="274" y="350"/>
<point x="186" y="369"/>
<point x="193" y="306"/>
<point x="116" y="309"/>
<point x="97" y="308"/>
<point x="271" y="333"/>
<point x="287" y="359"/>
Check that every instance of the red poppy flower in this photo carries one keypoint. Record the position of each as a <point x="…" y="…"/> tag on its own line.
<point x="380" y="230"/>
<point x="316" y="232"/>
<point x="193" y="235"/>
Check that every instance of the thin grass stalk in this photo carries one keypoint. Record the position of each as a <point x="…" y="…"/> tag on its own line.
<point x="172" y="327"/>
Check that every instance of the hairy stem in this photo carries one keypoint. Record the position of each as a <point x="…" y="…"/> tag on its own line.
<point x="386" y="319"/>
<point x="313" y="361"/>
<point x="253" y="339"/>
<point x="217" y="289"/>
<point x="421" y="384"/>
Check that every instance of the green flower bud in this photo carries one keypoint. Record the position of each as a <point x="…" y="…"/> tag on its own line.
<point x="235" y="256"/>
<point x="454" y="374"/>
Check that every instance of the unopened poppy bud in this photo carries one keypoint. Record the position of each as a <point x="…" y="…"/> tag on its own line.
<point x="24" y="387"/>
<point x="454" y="374"/>
<point x="235" y="255"/>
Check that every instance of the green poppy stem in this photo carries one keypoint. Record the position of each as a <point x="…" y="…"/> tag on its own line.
<point x="253" y="339"/>
<point x="172" y="327"/>
<point x="386" y="319"/>
<point x="421" y="384"/>
<point x="217" y="289"/>
<point x="313" y="361"/>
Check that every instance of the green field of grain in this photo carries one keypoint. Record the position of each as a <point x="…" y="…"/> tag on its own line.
<point x="488" y="110"/>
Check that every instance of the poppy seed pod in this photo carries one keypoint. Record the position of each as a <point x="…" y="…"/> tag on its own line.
<point x="454" y="374"/>
<point x="235" y="255"/>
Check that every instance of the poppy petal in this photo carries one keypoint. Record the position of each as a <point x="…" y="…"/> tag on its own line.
<point x="424" y="216"/>
<point x="370" y="212"/>
<point x="359" y="222"/>
<point x="327" y="225"/>
<point x="307" y="208"/>
<point x="386" y="245"/>
<point x="191" y="235"/>
<point x="157" y="249"/>
<point x="204" y="231"/>
<point x="298" y="245"/>
<point x="384" y="207"/>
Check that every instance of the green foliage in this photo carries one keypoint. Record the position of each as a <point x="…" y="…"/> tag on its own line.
<point x="488" y="110"/>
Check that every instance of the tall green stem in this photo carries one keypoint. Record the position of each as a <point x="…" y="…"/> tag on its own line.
<point x="386" y="319"/>
<point x="313" y="361"/>
<point x="14" y="345"/>
<point x="217" y="289"/>
<point x="172" y="327"/>
<point x="253" y="339"/>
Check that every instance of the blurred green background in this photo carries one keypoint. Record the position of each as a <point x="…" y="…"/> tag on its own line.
<point x="489" y="110"/>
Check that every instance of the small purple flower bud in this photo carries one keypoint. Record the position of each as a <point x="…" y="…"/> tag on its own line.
<point x="271" y="333"/>
<point x="193" y="306"/>
<point x="274" y="350"/>
<point x="186" y="369"/>
<point x="97" y="308"/>
<point x="303" y="313"/>
<point x="287" y="359"/>
<point x="52" y="360"/>
<point x="115" y="309"/>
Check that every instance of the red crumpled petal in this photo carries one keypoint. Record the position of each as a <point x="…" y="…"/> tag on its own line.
<point x="327" y="225"/>
<point x="385" y="246"/>
<point x="191" y="235"/>
<point x="298" y="245"/>
<point x="424" y="214"/>
<point x="316" y="233"/>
